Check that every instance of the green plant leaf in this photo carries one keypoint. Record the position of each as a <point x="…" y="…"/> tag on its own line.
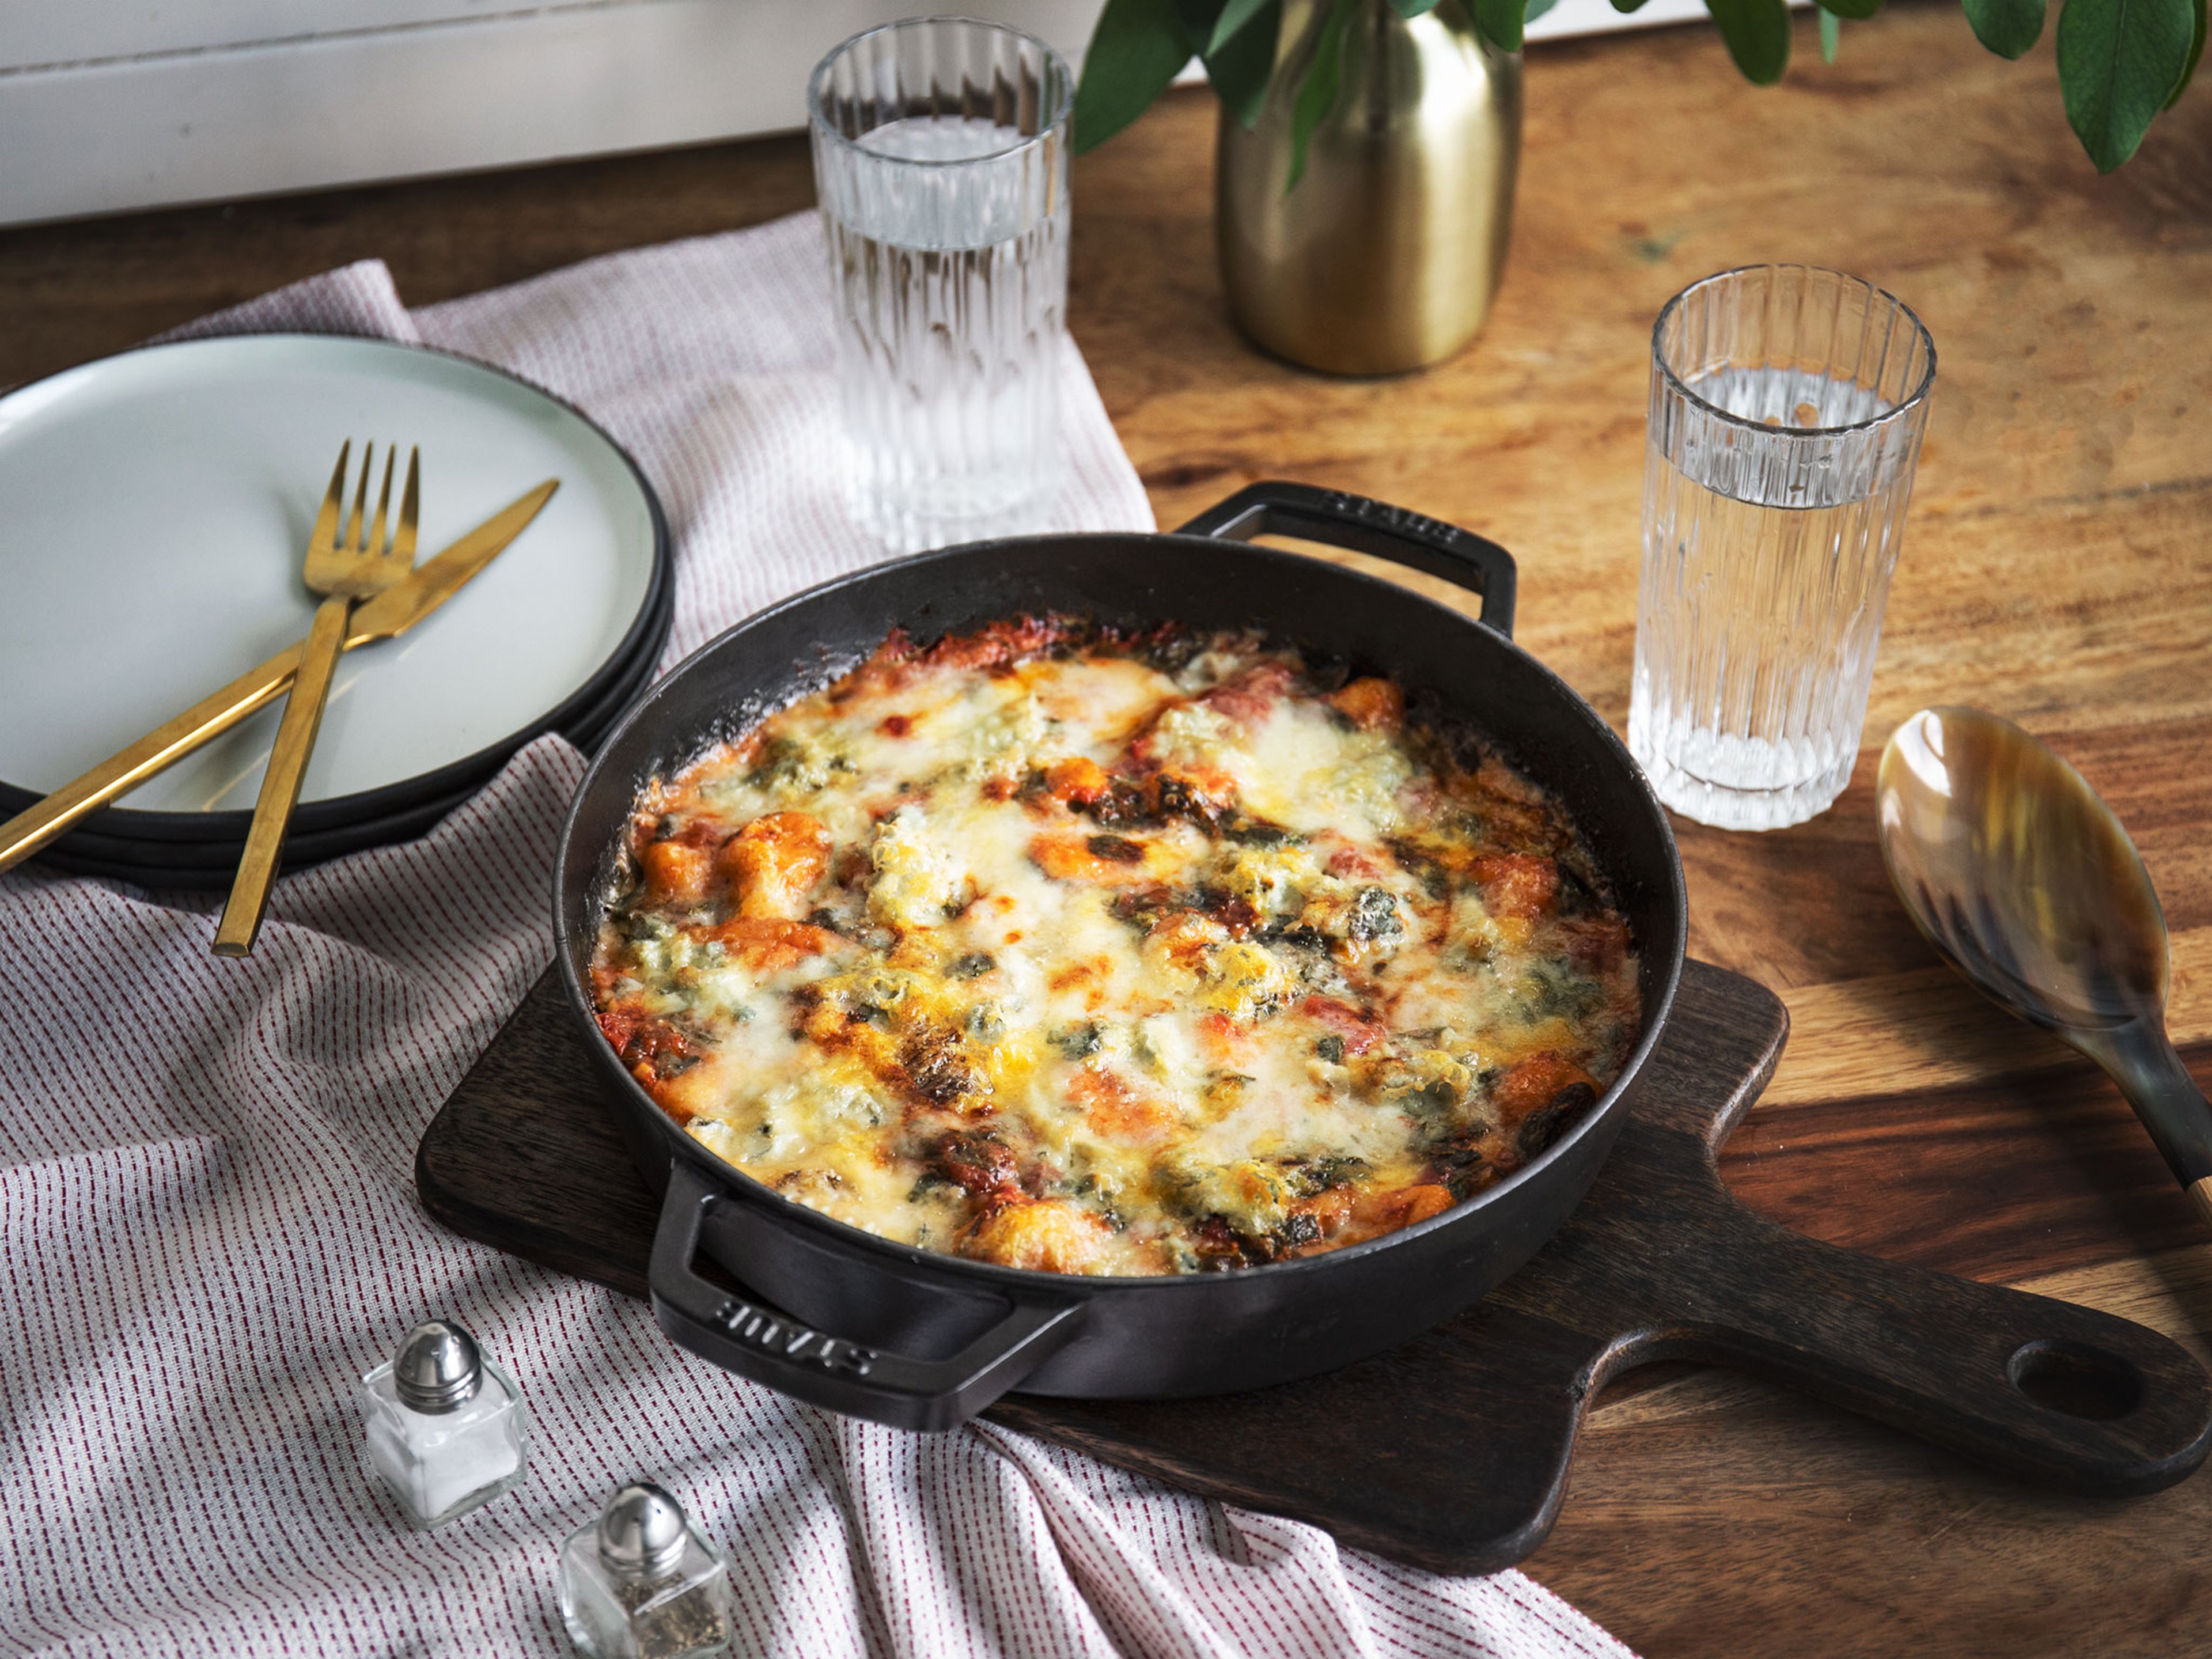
<point x="1831" y="35"/>
<point x="1138" y="48"/>
<point x="1412" y="7"/>
<point x="2007" y="27"/>
<point x="1758" y="36"/>
<point x="2117" y="61"/>
<point x="1625" y="6"/>
<point x="1317" y="94"/>
<point x="2195" y="51"/>
<point x="1241" y="70"/>
<point x="1198" y="20"/>
<point x="1537" y="8"/>
<point x="1860" y="10"/>
<point x="1234" y="16"/>
<point x="1499" y="21"/>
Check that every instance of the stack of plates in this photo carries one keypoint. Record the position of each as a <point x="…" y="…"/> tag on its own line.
<point x="156" y="511"/>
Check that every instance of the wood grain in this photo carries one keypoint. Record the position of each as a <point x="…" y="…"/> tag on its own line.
<point x="78" y="291"/>
<point x="1761" y="1527"/>
<point x="2057" y="567"/>
<point x="1904" y="1549"/>
<point x="1927" y="1028"/>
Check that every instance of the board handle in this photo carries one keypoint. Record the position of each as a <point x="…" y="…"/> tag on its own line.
<point x="2050" y="1390"/>
<point x="743" y="1334"/>
<point x="1360" y="524"/>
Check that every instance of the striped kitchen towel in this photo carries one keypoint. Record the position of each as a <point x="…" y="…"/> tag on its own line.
<point x="211" y="1231"/>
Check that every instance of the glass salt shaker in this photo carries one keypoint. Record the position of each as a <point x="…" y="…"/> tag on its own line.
<point x="643" y="1582"/>
<point x="446" y="1426"/>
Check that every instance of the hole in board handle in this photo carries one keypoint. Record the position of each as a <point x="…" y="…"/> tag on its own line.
<point x="2075" y="1380"/>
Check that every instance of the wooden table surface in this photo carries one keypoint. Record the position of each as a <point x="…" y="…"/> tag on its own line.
<point x="2058" y="567"/>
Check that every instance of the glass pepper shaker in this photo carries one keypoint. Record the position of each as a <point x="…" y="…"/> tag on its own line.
<point x="643" y="1582"/>
<point x="445" y="1425"/>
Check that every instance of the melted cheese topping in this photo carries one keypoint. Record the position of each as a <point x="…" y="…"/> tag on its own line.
<point x="1096" y="955"/>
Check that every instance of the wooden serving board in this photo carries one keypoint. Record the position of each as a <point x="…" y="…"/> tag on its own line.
<point x="1451" y="1453"/>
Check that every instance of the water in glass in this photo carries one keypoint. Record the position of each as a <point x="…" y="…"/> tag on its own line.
<point x="1775" y="497"/>
<point x="942" y="170"/>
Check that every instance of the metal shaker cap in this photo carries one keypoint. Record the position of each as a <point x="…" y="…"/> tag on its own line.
<point x="438" y="1369"/>
<point x="642" y="1531"/>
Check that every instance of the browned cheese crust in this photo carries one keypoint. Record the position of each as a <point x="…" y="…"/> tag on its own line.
<point x="1087" y="952"/>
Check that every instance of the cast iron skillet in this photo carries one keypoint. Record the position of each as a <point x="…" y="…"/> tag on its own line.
<point x="846" y="1320"/>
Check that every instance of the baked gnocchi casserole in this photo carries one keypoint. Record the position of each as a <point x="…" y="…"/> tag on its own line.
<point x="1085" y="952"/>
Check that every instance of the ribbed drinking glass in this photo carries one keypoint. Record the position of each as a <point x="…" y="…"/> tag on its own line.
<point x="1787" y="403"/>
<point x="940" y="159"/>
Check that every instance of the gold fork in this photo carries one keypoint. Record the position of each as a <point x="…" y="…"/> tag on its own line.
<point x="346" y="562"/>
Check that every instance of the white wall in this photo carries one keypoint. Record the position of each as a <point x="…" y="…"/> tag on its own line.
<point x="111" y="104"/>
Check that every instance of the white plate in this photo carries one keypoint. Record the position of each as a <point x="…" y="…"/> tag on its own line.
<point x="154" y="511"/>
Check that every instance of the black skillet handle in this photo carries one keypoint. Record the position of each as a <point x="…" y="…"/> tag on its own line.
<point x="1363" y="525"/>
<point x="747" y="1336"/>
<point x="2066" y="1396"/>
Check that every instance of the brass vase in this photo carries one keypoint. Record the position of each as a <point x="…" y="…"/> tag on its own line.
<point x="1385" y="255"/>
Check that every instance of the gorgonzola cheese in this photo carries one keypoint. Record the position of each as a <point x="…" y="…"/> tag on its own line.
<point x="1092" y="954"/>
